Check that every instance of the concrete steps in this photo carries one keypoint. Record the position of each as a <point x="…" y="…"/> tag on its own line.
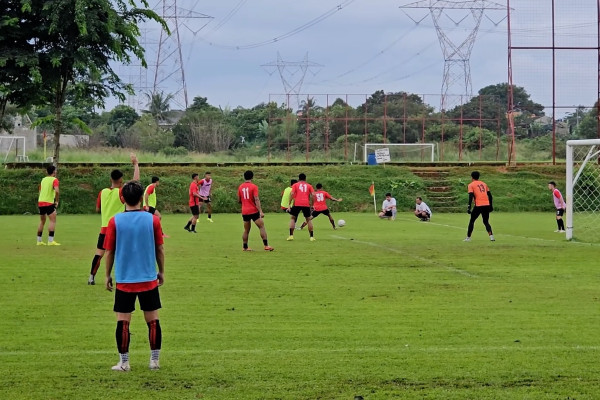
<point x="439" y="194"/>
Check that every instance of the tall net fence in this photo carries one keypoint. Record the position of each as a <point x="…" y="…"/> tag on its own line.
<point x="554" y="56"/>
<point x="583" y="191"/>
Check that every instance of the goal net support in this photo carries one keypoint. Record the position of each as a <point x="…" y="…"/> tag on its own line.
<point x="583" y="190"/>
<point x="403" y="152"/>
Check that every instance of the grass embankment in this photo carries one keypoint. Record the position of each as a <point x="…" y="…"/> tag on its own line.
<point x="520" y="189"/>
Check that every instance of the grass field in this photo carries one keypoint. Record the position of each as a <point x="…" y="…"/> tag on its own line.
<point x="376" y="309"/>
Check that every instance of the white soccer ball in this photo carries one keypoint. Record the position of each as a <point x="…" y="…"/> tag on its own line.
<point x="341" y="223"/>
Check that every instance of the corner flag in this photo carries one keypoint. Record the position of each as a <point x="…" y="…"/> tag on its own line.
<point x="372" y="193"/>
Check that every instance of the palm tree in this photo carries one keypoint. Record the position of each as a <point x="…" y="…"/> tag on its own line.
<point x="158" y="104"/>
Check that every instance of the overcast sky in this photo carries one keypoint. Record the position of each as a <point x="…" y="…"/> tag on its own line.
<point x="365" y="46"/>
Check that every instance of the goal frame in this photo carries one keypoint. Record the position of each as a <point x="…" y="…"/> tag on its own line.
<point x="14" y="142"/>
<point x="366" y="147"/>
<point x="571" y="180"/>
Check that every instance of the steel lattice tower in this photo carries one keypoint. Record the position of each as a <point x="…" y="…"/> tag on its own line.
<point x="169" y="71"/>
<point x="457" y="52"/>
<point x="292" y="74"/>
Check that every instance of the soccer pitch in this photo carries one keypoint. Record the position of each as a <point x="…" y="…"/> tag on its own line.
<point x="377" y="309"/>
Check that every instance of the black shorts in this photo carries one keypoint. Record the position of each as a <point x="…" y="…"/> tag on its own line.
<point x="125" y="301"/>
<point x="388" y="214"/>
<point x="207" y="200"/>
<point x="100" y="244"/>
<point x="47" y="210"/>
<point x="296" y="211"/>
<point x="560" y="212"/>
<point x="195" y="210"/>
<point x="151" y="210"/>
<point x="250" y="217"/>
<point x="315" y="213"/>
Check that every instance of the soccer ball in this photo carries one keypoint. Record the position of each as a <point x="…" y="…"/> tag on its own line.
<point x="341" y="223"/>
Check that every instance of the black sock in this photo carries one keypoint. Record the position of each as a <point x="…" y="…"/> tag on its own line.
<point x="51" y="234"/>
<point x="265" y="242"/>
<point x="291" y="231"/>
<point x="122" y="335"/>
<point x="194" y="227"/>
<point x="311" y="233"/>
<point x="95" y="264"/>
<point x="39" y="233"/>
<point x="188" y="225"/>
<point x="209" y="216"/>
<point x="154" y="335"/>
<point x="245" y="245"/>
<point x="561" y="225"/>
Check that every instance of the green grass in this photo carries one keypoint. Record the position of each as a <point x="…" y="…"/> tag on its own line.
<point x="379" y="309"/>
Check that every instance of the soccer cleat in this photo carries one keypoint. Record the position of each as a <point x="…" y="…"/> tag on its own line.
<point x="269" y="248"/>
<point x="468" y="239"/>
<point x="562" y="231"/>
<point x="290" y="238"/>
<point x="193" y="231"/>
<point x="247" y="249"/>
<point x="186" y="228"/>
<point x="40" y="244"/>
<point x="209" y="220"/>
<point x="312" y="239"/>
<point x="91" y="281"/>
<point x="154" y="364"/>
<point x="53" y="244"/>
<point x="492" y="238"/>
<point x="124" y="367"/>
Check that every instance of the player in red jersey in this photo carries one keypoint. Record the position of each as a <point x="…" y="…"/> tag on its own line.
<point x="320" y="205"/>
<point x="301" y="194"/>
<point x="194" y="205"/>
<point x="251" y="211"/>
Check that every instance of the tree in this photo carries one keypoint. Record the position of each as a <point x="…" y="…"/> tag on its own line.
<point x="158" y="105"/>
<point x="68" y="46"/>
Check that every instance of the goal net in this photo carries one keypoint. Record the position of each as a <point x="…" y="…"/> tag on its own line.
<point x="401" y="152"/>
<point x="583" y="190"/>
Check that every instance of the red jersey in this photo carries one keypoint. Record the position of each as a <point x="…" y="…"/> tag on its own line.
<point x="301" y="192"/>
<point x="320" y="200"/>
<point x="194" y="201"/>
<point x="479" y="190"/>
<point x="247" y="192"/>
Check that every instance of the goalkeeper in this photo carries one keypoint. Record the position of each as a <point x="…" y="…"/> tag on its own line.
<point x="481" y="195"/>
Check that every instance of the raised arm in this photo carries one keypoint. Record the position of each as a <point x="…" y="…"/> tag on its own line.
<point x="136" y="167"/>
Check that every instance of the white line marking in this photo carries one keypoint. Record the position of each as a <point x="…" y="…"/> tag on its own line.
<point x="421" y="259"/>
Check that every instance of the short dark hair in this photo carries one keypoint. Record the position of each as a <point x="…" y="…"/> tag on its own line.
<point x="293" y="181"/>
<point x="302" y="177"/>
<point x="552" y="183"/>
<point x="50" y="169"/>
<point x="132" y="192"/>
<point x="388" y="194"/>
<point x="194" y="175"/>
<point x="115" y="175"/>
<point x="248" y="175"/>
<point x="207" y="173"/>
<point x="418" y="198"/>
<point x="155" y="179"/>
<point x="319" y="186"/>
<point x="475" y="175"/>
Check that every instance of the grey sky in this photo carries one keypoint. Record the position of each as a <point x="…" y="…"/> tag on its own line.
<point x="366" y="46"/>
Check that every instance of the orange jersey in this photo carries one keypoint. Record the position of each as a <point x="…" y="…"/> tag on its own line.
<point x="479" y="190"/>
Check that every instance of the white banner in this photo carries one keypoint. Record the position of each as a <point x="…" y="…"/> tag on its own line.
<point x="382" y="155"/>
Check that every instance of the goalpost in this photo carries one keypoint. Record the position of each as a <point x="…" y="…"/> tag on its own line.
<point x="403" y="152"/>
<point x="583" y="190"/>
<point x="8" y="143"/>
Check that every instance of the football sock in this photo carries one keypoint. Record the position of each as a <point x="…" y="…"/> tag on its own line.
<point x="311" y="233"/>
<point x="188" y="225"/>
<point x="50" y="236"/>
<point x="124" y="357"/>
<point x="95" y="265"/>
<point x="154" y="336"/>
<point x="155" y="354"/>
<point x="291" y="231"/>
<point x="265" y="242"/>
<point x="194" y="227"/>
<point x="122" y="335"/>
<point x="561" y="224"/>
<point x="209" y="216"/>
<point x="39" y="237"/>
<point x="245" y="245"/>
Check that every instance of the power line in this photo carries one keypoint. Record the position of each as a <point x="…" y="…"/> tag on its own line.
<point x="293" y="32"/>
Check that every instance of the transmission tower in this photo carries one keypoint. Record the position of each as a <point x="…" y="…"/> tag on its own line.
<point x="292" y="74"/>
<point x="169" y="72"/>
<point x="456" y="85"/>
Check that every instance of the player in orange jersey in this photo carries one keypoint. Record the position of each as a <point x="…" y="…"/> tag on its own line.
<point x="481" y="195"/>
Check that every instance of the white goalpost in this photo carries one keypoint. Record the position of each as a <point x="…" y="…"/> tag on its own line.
<point x="403" y="152"/>
<point x="11" y="143"/>
<point x="583" y="190"/>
